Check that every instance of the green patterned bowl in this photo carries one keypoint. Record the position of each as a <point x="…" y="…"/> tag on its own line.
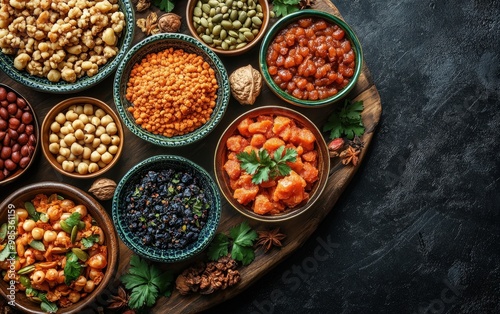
<point x="157" y="43"/>
<point x="85" y="82"/>
<point x="133" y="177"/>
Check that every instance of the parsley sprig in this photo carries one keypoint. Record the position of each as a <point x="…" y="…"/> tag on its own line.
<point x="263" y="167"/>
<point x="285" y="7"/>
<point x="164" y="5"/>
<point x="146" y="283"/>
<point x="242" y="236"/>
<point x="346" y="121"/>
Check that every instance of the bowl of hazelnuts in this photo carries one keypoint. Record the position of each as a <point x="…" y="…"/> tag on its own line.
<point x="82" y="137"/>
<point x="19" y="134"/>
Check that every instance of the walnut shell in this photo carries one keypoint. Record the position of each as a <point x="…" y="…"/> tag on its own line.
<point x="246" y="84"/>
<point x="103" y="189"/>
<point x="169" y="23"/>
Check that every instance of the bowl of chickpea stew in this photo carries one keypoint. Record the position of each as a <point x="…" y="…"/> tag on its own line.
<point x="310" y="58"/>
<point x="82" y="137"/>
<point x="228" y="27"/>
<point x="271" y="163"/>
<point x="171" y="90"/>
<point x="67" y="47"/>
<point x="66" y="248"/>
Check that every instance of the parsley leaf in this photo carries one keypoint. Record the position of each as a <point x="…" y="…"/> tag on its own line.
<point x="242" y="237"/>
<point x="73" y="269"/>
<point x="346" y="121"/>
<point x="218" y="247"/>
<point x="263" y="167"/>
<point x="164" y="5"/>
<point x="89" y="241"/>
<point x="243" y="254"/>
<point x="146" y="283"/>
<point x="285" y="7"/>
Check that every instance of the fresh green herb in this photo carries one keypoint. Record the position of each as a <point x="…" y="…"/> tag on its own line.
<point x="90" y="240"/>
<point x="146" y="283"/>
<point x="164" y="5"/>
<point x="73" y="269"/>
<point x="32" y="211"/>
<point x="243" y="237"/>
<point x="346" y="122"/>
<point x="263" y="167"/>
<point x="285" y="7"/>
<point x="68" y="223"/>
<point x="46" y="305"/>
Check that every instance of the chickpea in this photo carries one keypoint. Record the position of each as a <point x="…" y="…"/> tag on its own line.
<point x="51" y="274"/>
<point x="113" y="149"/>
<point x="54" y="148"/>
<point x="69" y="139"/>
<point x="60" y="118"/>
<point x="37" y="233"/>
<point x="97" y="261"/>
<point x="38" y="276"/>
<point x="106" y="157"/>
<point x="74" y="296"/>
<point x="89" y="138"/>
<point x="76" y="149"/>
<point x="62" y="143"/>
<point x="70" y="128"/>
<point x="89" y="128"/>
<point x="84" y="118"/>
<point x="65" y="216"/>
<point x="79" y="134"/>
<point x="55" y="127"/>
<point x="88" y="109"/>
<point x="64" y="152"/>
<point x="72" y="157"/>
<point x="53" y="138"/>
<point x="111" y="128"/>
<point x="101" y="149"/>
<point x="93" y="167"/>
<point x="100" y="131"/>
<point x="60" y="159"/>
<point x="77" y="162"/>
<point x="78" y="124"/>
<point x="96" y="142"/>
<point x="87" y="152"/>
<point x="78" y="109"/>
<point x="57" y="227"/>
<point x="105" y="139"/>
<point x="28" y="225"/>
<point x="61" y="277"/>
<point x="100" y="113"/>
<point x="81" y="209"/>
<point x="21" y="213"/>
<point x="67" y="204"/>
<point x="83" y="168"/>
<point x="106" y="120"/>
<point x="95" y="156"/>
<point x="49" y="236"/>
<point x="64" y="130"/>
<point x="115" y="139"/>
<point x="95" y="121"/>
<point x="101" y="164"/>
<point x="68" y="166"/>
<point x="71" y="115"/>
<point x="89" y="286"/>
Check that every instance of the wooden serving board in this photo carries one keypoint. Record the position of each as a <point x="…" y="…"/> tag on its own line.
<point x="297" y="230"/>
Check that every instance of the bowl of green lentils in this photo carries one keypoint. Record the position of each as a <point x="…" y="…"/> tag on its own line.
<point x="228" y="27"/>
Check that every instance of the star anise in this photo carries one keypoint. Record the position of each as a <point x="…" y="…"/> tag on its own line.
<point x="269" y="238"/>
<point x="119" y="301"/>
<point x="350" y="156"/>
<point x="149" y="25"/>
<point x="357" y="143"/>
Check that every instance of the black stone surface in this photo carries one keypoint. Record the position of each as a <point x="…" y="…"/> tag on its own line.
<point x="418" y="229"/>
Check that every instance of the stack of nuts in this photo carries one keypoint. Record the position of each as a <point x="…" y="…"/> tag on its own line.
<point x="84" y="139"/>
<point x="17" y="133"/>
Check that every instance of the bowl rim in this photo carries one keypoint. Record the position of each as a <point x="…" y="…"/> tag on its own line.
<point x="285" y="21"/>
<point x="111" y="236"/>
<point x="185" y="139"/>
<point x="262" y="32"/>
<point x="85" y="82"/>
<point x="37" y="132"/>
<point x="220" y="173"/>
<point x="62" y="106"/>
<point x="167" y="256"/>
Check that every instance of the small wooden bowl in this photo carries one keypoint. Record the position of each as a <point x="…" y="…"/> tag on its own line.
<point x="27" y="193"/>
<point x="265" y="22"/>
<point x="223" y="179"/>
<point x="62" y="107"/>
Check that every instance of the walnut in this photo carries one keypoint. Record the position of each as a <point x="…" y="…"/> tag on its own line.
<point x="246" y="84"/>
<point x="208" y="278"/>
<point x="169" y="23"/>
<point x="142" y="5"/>
<point x="103" y="188"/>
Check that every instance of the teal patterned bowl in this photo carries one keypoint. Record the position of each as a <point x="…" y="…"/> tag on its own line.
<point x="85" y="82"/>
<point x="127" y="185"/>
<point x="158" y="43"/>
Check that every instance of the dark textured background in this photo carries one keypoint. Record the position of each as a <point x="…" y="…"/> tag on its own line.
<point x="417" y="230"/>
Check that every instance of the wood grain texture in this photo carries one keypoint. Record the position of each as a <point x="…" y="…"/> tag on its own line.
<point x="298" y="230"/>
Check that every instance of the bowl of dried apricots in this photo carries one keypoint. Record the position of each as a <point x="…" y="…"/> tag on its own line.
<point x="271" y="163"/>
<point x="310" y="58"/>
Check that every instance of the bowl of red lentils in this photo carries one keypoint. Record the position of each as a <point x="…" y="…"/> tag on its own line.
<point x="171" y="90"/>
<point x="311" y="58"/>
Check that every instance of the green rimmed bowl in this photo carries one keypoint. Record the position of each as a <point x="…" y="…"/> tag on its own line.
<point x="85" y="82"/>
<point x="157" y="43"/>
<point x="157" y="163"/>
<point x="294" y="17"/>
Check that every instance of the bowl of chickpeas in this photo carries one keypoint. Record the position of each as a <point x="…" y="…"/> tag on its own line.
<point x="82" y="137"/>
<point x="171" y="90"/>
<point x="59" y="248"/>
<point x="310" y="58"/>
<point x="65" y="47"/>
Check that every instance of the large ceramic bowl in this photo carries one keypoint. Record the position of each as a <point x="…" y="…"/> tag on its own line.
<point x="46" y="131"/>
<point x="23" y="148"/>
<point x="84" y="82"/>
<point x="256" y="38"/>
<point x="330" y="57"/>
<point x="25" y="194"/>
<point x="130" y="185"/>
<point x="239" y="127"/>
<point x="158" y="43"/>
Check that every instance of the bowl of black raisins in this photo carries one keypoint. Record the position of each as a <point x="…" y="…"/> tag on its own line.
<point x="166" y="208"/>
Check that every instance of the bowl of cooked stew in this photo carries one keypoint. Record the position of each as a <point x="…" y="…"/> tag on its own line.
<point x="271" y="163"/>
<point x="310" y="58"/>
<point x="59" y="249"/>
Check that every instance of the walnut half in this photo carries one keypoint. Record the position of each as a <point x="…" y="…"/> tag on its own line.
<point x="246" y="84"/>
